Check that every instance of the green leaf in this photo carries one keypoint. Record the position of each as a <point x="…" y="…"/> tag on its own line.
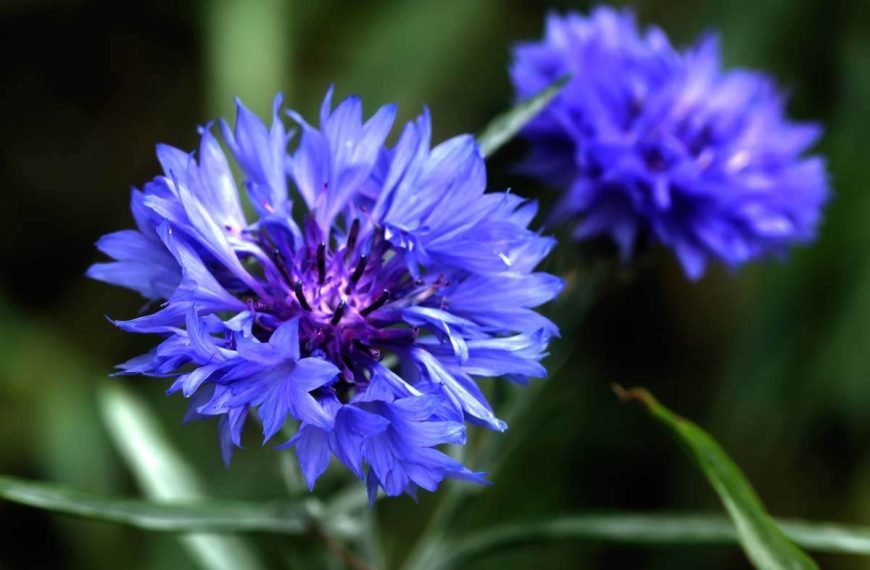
<point x="762" y="540"/>
<point x="504" y="127"/>
<point x="164" y="476"/>
<point x="157" y="516"/>
<point x="634" y="528"/>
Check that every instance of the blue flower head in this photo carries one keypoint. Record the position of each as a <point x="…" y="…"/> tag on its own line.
<point x="371" y="289"/>
<point x="657" y="145"/>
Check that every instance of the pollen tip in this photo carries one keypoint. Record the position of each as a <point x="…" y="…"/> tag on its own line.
<point x="300" y="296"/>
<point x="321" y="263"/>
<point x="377" y="304"/>
<point x="339" y="312"/>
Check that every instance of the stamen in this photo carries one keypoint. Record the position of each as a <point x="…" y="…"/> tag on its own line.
<point x="352" y="236"/>
<point x="321" y="263"/>
<point x="281" y="263"/>
<point x="300" y="296"/>
<point x="315" y="340"/>
<point x="370" y="351"/>
<point x="339" y="312"/>
<point x="253" y="306"/>
<point x="399" y="336"/>
<point x="379" y="302"/>
<point x="357" y="273"/>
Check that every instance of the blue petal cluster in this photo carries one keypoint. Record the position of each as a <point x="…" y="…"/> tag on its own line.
<point x="396" y="260"/>
<point x="659" y="145"/>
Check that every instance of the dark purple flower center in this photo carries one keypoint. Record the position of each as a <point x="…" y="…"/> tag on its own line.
<point x="347" y="297"/>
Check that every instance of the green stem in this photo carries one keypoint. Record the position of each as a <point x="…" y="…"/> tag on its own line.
<point x="343" y="505"/>
<point x="338" y="549"/>
<point x="584" y="289"/>
<point x="433" y="533"/>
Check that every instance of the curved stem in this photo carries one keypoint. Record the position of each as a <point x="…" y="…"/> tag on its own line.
<point x="338" y="549"/>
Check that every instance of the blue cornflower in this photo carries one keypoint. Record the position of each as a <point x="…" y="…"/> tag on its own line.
<point x="651" y="144"/>
<point x="366" y="319"/>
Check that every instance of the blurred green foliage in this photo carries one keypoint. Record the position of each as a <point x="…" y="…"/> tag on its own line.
<point x="772" y="360"/>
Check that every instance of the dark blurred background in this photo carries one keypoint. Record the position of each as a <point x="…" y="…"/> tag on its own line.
<point x="773" y="361"/>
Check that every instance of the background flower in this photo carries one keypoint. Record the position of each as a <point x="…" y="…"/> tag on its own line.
<point x="651" y="143"/>
<point x="399" y="255"/>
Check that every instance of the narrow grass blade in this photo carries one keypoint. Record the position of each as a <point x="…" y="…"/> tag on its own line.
<point x="164" y="476"/>
<point x="504" y="127"/>
<point x="157" y="516"/>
